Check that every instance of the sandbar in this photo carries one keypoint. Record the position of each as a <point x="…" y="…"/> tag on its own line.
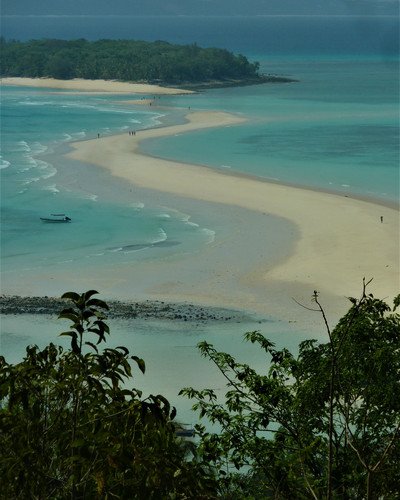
<point x="340" y="240"/>
<point x="93" y="86"/>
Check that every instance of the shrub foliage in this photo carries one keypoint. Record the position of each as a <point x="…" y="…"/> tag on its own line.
<point x="70" y="426"/>
<point x="324" y="423"/>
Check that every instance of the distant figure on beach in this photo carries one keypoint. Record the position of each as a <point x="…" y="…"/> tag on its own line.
<point x="134" y="132"/>
<point x="381" y="218"/>
<point x="98" y="135"/>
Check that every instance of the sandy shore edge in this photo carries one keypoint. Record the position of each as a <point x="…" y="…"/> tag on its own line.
<point x="93" y="86"/>
<point x="342" y="240"/>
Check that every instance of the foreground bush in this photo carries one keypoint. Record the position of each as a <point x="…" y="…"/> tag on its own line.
<point x="323" y="424"/>
<point x="71" y="428"/>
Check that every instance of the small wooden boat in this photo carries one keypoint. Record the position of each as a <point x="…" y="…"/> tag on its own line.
<point x="56" y="218"/>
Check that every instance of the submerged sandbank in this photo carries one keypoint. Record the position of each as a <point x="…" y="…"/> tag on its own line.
<point x="341" y="239"/>
<point x="99" y="86"/>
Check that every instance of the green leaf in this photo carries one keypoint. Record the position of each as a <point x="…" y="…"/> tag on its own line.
<point x="140" y="362"/>
<point x="69" y="315"/>
<point x="71" y="295"/>
<point x="97" y="303"/>
<point x="69" y="334"/>
<point x="92" y="346"/>
<point x="88" y="294"/>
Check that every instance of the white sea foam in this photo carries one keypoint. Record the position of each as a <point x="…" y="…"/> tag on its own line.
<point x="35" y="103"/>
<point x="92" y="197"/>
<point x="22" y="146"/>
<point x="52" y="188"/>
<point x="73" y="136"/>
<point x="38" y="148"/>
<point x="47" y="169"/>
<point x="79" y="135"/>
<point x="226" y="166"/>
<point x="39" y="166"/>
<point x="29" y="160"/>
<point x="137" y="205"/>
<point x="186" y="220"/>
<point x="26" y="182"/>
<point x="4" y="163"/>
<point x="163" y="216"/>
<point x="162" y="236"/>
<point x="210" y="234"/>
<point x="193" y="224"/>
<point x="184" y="217"/>
<point x="156" y="120"/>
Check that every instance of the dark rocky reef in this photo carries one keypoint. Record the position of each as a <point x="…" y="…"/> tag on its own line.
<point x="125" y="310"/>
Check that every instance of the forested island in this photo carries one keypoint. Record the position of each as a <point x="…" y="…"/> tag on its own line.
<point x="160" y="62"/>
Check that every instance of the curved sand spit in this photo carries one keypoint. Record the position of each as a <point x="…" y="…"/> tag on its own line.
<point x="341" y="239"/>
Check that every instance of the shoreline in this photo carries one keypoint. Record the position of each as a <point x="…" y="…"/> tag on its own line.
<point x="368" y="199"/>
<point x="338" y="240"/>
<point x="341" y="238"/>
<point x="93" y="86"/>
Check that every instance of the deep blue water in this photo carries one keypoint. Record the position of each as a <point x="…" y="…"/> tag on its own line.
<point x="291" y="35"/>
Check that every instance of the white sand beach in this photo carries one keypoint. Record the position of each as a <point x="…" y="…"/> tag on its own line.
<point x="93" y="86"/>
<point x="341" y="239"/>
<point x="338" y="240"/>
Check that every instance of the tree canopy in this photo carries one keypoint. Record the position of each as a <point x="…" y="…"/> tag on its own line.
<point x="322" y="424"/>
<point x="125" y="60"/>
<point x="71" y="425"/>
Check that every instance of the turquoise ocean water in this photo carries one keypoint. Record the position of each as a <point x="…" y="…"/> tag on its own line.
<point x="337" y="128"/>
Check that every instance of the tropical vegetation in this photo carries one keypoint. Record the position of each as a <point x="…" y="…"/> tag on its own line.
<point x="323" y="423"/>
<point x="124" y="60"/>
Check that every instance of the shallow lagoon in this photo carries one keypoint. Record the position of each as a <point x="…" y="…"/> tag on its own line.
<point x="167" y="347"/>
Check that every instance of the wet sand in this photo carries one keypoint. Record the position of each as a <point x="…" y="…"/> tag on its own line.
<point x="93" y="86"/>
<point x="336" y="240"/>
<point x="340" y="240"/>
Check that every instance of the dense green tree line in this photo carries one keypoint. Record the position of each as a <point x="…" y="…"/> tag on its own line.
<point x="124" y="60"/>
<point x="322" y="424"/>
